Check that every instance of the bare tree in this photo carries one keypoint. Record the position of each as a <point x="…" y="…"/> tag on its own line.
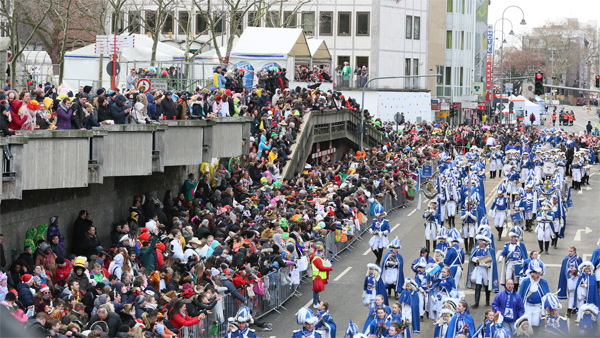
<point x="19" y="14"/>
<point x="154" y="20"/>
<point x="185" y="27"/>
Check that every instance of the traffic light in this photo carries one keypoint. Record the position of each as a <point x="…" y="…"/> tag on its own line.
<point x="539" y="83"/>
<point x="597" y="81"/>
<point x="452" y="111"/>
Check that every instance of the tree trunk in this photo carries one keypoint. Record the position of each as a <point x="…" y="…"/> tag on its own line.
<point x="100" y="70"/>
<point x="154" y="46"/>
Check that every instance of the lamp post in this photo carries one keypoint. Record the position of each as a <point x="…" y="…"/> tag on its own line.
<point x="502" y="51"/>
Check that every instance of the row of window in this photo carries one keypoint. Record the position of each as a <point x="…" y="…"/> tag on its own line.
<point x="460" y="40"/>
<point x="461" y="7"/>
<point x="270" y="19"/>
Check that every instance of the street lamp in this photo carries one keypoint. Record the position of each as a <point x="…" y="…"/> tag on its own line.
<point x="502" y="51"/>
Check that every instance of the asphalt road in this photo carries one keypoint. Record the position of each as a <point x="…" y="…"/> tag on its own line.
<point x="344" y="290"/>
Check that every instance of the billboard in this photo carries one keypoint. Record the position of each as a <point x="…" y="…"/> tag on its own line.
<point x="416" y="106"/>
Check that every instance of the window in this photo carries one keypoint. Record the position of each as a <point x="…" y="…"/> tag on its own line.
<point x="290" y="20"/>
<point x="417" y="33"/>
<point x="463" y="7"/>
<point x="462" y="40"/>
<point x="343" y="23"/>
<point x="409" y="27"/>
<point x="201" y="24"/>
<point x="415" y="67"/>
<point x="219" y="23"/>
<point x="407" y="81"/>
<point x="440" y="71"/>
<point x="168" y="24"/>
<point x="272" y="19"/>
<point x="308" y="22"/>
<point x="362" y="61"/>
<point x="150" y="21"/>
<point x="448" y="39"/>
<point x="184" y="24"/>
<point x="253" y="20"/>
<point x="448" y="76"/>
<point x="239" y="22"/>
<point x="342" y="59"/>
<point x="116" y="29"/>
<point x="362" y="23"/>
<point x="449" y="5"/>
<point x="326" y="23"/>
<point x="460" y="79"/>
<point x="134" y="22"/>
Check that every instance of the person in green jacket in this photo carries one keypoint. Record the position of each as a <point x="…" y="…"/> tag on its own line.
<point x="190" y="184"/>
<point x="147" y="251"/>
<point x="346" y="74"/>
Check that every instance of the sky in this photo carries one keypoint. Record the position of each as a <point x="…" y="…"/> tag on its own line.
<point x="537" y="12"/>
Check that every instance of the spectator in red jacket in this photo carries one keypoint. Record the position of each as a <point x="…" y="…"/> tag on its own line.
<point x="180" y="318"/>
<point x="63" y="269"/>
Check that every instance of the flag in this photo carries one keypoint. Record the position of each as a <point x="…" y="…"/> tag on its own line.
<point x="418" y="189"/>
<point x="262" y="125"/>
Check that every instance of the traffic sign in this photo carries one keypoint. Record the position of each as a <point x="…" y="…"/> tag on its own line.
<point x="397" y="117"/>
<point x="146" y="83"/>
<point x="109" y="68"/>
<point x="159" y="84"/>
<point x="427" y="171"/>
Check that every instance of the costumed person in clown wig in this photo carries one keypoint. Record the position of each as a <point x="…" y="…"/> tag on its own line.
<point x="392" y="268"/>
<point x="409" y="299"/>
<point x="441" y="326"/>
<point x="523" y="327"/>
<point x="588" y="320"/>
<point x="325" y="326"/>
<point x="586" y="289"/>
<point x="308" y="320"/>
<point x="239" y="325"/>
<point x="498" y="210"/>
<point x="532" y="290"/>
<point x="455" y="256"/>
<point x="482" y="271"/>
<point x="432" y="224"/>
<point x="461" y="323"/>
<point x="379" y="303"/>
<point x="379" y="230"/>
<point x="513" y="254"/>
<point x="353" y="332"/>
<point x="488" y="327"/>
<point x="553" y="323"/>
<point x="373" y="286"/>
<point x="469" y="217"/>
<point x="567" y="280"/>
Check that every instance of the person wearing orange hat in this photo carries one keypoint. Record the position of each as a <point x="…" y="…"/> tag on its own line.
<point x="29" y="112"/>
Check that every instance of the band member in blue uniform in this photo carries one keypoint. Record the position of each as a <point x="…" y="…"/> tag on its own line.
<point x="380" y="228"/>
<point x="455" y="256"/>
<point x="531" y="203"/>
<point x="409" y="299"/>
<point x="379" y="303"/>
<point x="596" y="261"/>
<point x="553" y="323"/>
<point x="432" y="223"/>
<point x="461" y="322"/>
<point x="442" y="288"/>
<point x="380" y="325"/>
<point x="469" y="217"/>
<point x="392" y="268"/>
<point x="588" y="320"/>
<point x="532" y="289"/>
<point x="452" y="199"/>
<point x="239" y="324"/>
<point x="441" y="326"/>
<point x="567" y="279"/>
<point x="586" y="289"/>
<point x="325" y="325"/>
<point x="308" y="320"/>
<point x="488" y="327"/>
<point x="511" y="180"/>
<point x="373" y="286"/>
<point x="545" y="226"/>
<point x="509" y="305"/>
<point x="513" y="254"/>
<point x="482" y="271"/>
<point x="498" y="210"/>
<point x="518" y="210"/>
<point x="442" y="238"/>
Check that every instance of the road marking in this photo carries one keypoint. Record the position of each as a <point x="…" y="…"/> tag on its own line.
<point x="553" y="265"/>
<point x="592" y="174"/>
<point x="309" y="304"/>
<point x="342" y="274"/>
<point x="580" y="192"/>
<point x="587" y="257"/>
<point x="395" y="227"/>
<point x="367" y="252"/>
<point x="578" y="233"/>
<point x="412" y="212"/>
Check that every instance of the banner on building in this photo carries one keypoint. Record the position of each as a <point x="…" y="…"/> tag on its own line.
<point x="489" y="66"/>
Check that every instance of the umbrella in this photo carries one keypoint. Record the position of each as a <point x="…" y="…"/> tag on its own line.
<point x="485" y="127"/>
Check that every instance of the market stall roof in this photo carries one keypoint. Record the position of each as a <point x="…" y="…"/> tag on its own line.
<point x="318" y="49"/>
<point x="273" y="43"/>
<point x="142" y="51"/>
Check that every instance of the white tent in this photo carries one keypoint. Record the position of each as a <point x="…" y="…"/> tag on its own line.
<point x="263" y="48"/>
<point x="318" y="49"/>
<point x="81" y="65"/>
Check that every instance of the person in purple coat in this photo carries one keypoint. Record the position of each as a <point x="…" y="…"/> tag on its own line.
<point x="510" y="305"/>
<point x="64" y="115"/>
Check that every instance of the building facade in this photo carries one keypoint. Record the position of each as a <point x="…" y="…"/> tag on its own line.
<point x="389" y="37"/>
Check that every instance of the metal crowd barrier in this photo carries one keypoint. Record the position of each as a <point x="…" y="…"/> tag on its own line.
<point x="278" y="289"/>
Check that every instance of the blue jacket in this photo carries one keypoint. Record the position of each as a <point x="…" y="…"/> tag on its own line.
<point x="25" y="295"/>
<point x="500" y="304"/>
